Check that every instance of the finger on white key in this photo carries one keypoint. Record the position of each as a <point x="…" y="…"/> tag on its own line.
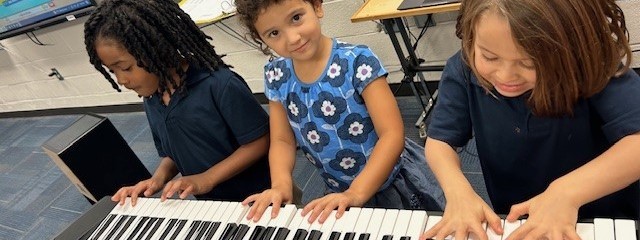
<point x="509" y="227"/>
<point x="491" y="235"/>
<point x="585" y="231"/>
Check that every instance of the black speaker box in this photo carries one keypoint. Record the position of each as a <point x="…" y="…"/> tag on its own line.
<point x="95" y="157"/>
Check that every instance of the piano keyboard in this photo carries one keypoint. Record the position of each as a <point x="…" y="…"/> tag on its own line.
<point x="191" y="219"/>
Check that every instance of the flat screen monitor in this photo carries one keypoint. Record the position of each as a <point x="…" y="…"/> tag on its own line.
<point x="21" y="16"/>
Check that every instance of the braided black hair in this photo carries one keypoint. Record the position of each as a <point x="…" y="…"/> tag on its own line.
<point x="157" y="33"/>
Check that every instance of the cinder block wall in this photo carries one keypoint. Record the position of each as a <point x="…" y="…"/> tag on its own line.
<point x="24" y="66"/>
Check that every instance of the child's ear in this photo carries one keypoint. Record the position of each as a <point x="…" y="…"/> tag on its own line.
<point x="317" y="7"/>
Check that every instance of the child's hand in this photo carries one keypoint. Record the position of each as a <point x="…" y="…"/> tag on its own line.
<point x="274" y="197"/>
<point x="147" y="187"/>
<point x="551" y="216"/>
<point x="464" y="215"/>
<point x="185" y="186"/>
<point x="321" y="208"/>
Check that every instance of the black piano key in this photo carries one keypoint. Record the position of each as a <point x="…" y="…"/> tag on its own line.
<point x="125" y="227"/>
<point x="229" y="231"/>
<point x="104" y="226"/>
<point x="281" y="234"/>
<point x="314" y="235"/>
<point x="257" y="233"/>
<point x="405" y="238"/>
<point x="168" y="228"/>
<point x="334" y="236"/>
<point x="204" y="227"/>
<point x="387" y="237"/>
<point x="154" y="229"/>
<point x="146" y="228"/>
<point x="268" y="233"/>
<point x="242" y="230"/>
<point x="301" y="234"/>
<point x="350" y="236"/>
<point x="364" y="236"/>
<point x="118" y="224"/>
<point x="192" y="229"/>
<point x="179" y="227"/>
<point x="138" y="226"/>
<point x="212" y="230"/>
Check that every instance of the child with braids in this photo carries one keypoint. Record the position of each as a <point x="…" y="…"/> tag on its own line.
<point x="205" y="122"/>
<point x="332" y="100"/>
<point x="545" y="89"/>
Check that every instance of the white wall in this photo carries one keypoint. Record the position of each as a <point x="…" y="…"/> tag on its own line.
<point x="24" y="66"/>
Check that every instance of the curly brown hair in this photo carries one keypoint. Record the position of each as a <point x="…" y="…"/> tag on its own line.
<point x="577" y="46"/>
<point x="248" y="11"/>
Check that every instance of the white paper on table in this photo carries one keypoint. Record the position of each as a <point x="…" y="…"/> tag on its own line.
<point x="205" y="11"/>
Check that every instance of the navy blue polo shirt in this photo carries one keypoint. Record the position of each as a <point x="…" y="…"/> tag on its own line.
<point x="206" y="123"/>
<point x="521" y="154"/>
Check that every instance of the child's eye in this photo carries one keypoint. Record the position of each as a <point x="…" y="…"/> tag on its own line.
<point x="126" y="69"/>
<point x="527" y="64"/>
<point x="296" y="17"/>
<point x="273" y="33"/>
<point x="489" y="59"/>
<point x="111" y="71"/>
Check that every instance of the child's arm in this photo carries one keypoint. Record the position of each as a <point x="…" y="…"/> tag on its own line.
<point x="465" y="210"/>
<point x="241" y="159"/>
<point x="281" y="162"/>
<point x="553" y="213"/>
<point x="385" y="114"/>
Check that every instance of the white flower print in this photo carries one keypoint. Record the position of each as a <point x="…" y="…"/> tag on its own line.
<point x="333" y="182"/>
<point x="274" y="75"/>
<point x="334" y="70"/>
<point x="364" y="72"/>
<point x="347" y="163"/>
<point x="356" y="128"/>
<point x="328" y="109"/>
<point x="313" y="137"/>
<point x="293" y="108"/>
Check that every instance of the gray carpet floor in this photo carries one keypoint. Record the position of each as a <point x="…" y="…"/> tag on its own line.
<point x="37" y="201"/>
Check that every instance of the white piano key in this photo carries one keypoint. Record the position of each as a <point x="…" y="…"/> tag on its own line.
<point x="417" y="222"/>
<point x="262" y="222"/>
<point x="585" y="231"/>
<point x="223" y="217"/>
<point x="328" y="225"/>
<point x="202" y="216"/>
<point x="351" y="218"/>
<point x="376" y="221"/>
<point x="401" y="224"/>
<point x="189" y="214"/>
<point x="104" y="227"/>
<point x="432" y="221"/>
<point x="176" y="207"/>
<point x="493" y="235"/>
<point x="604" y="229"/>
<point x="388" y="223"/>
<point x="363" y="221"/>
<point x="509" y="227"/>
<point x="625" y="229"/>
<point x="295" y="223"/>
<point x="283" y="219"/>
<point x="146" y="207"/>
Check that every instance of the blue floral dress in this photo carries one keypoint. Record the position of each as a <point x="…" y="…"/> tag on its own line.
<point x="328" y="117"/>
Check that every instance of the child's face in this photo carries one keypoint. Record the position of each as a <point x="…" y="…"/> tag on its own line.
<point x="291" y="28"/>
<point x="125" y="67"/>
<point x="499" y="59"/>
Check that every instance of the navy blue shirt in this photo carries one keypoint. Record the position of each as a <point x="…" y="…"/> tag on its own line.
<point x="204" y="124"/>
<point x="521" y="154"/>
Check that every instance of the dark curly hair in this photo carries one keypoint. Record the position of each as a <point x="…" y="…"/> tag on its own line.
<point x="157" y="33"/>
<point x="248" y="11"/>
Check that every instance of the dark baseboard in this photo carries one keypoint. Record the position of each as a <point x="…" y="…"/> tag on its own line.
<point x="399" y="89"/>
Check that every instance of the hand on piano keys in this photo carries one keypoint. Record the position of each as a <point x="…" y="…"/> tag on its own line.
<point x="192" y="219"/>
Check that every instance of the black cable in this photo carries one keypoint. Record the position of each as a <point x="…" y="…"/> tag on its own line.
<point x="35" y="39"/>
